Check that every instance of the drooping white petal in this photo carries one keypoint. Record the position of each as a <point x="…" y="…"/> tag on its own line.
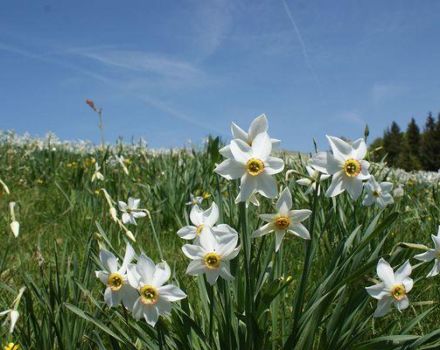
<point x="364" y="175"/>
<point x="195" y="267"/>
<point x="435" y="269"/>
<point x="354" y="187"/>
<point x="402" y="304"/>
<point x="13" y="318"/>
<point x="319" y="162"/>
<point x="150" y="314"/>
<point x="336" y="187"/>
<point x="103" y="276"/>
<point x="129" y="296"/>
<point x="279" y="235"/>
<point x="226" y="152"/>
<point x="333" y="165"/>
<point x="228" y="246"/>
<point x="122" y="206"/>
<point x="128" y="257"/>
<point x="111" y="298"/>
<point x="267" y="185"/>
<point x="248" y="185"/>
<point x="383" y="307"/>
<point x="212" y="275"/>
<point x="225" y="273"/>
<point x="133" y="276"/>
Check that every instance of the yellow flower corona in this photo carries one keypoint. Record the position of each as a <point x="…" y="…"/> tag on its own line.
<point x="254" y="166"/>
<point x="282" y="222"/>
<point x="352" y="167"/>
<point x="199" y="229"/>
<point x="212" y="260"/>
<point x="115" y="281"/>
<point x="149" y="295"/>
<point x="398" y="292"/>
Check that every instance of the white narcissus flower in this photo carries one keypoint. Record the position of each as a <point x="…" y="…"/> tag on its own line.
<point x="398" y="191"/>
<point x="211" y="256"/>
<point x="115" y="278"/>
<point x="347" y="166"/>
<point x="258" y="125"/>
<point x="15" y="225"/>
<point x="202" y="220"/>
<point x="378" y="193"/>
<point x="432" y="254"/>
<point x="153" y="297"/>
<point x="310" y="181"/>
<point x="97" y="175"/>
<point x="130" y="211"/>
<point x="254" y="165"/>
<point x="285" y="220"/>
<point x="393" y="289"/>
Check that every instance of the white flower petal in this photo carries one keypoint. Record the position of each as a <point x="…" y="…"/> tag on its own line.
<point x="187" y="232"/>
<point x="377" y="291"/>
<point x="336" y="187"/>
<point x="435" y="269"/>
<point x="248" y="185"/>
<point x="403" y="271"/>
<point x="108" y="260"/>
<point x="171" y="293"/>
<point x="238" y="133"/>
<point x="261" y="146"/>
<point x="284" y="202"/>
<point x="359" y="149"/>
<point x="263" y="230"/>
<point x="402" y="304"/>
<point x="427" y="256"/>
<point x="353" y="186"/>
<point x="273" y="165"/>
<point x="145" y="268"/>
<point x="196" y="215"/>
<point x="300" y="231"/>
<point x="267" y="185"/>
<point x="230" y="169"/>
<point x="383" y="307"/>
<point x="340" y="148"/>
<point x="299" y="215"/>
<point x="258" y="126"/>
<point x="279" y="235"/>
<point x="241" y="151"/>
<point x="162" y="274"/>
<point x="210" y="216"/>
<point x="212" y="275"/>
<point x="150" y="314"/>
<point x="195" y="267"/>
<point x="192" y="251"/>
<point x="385" y="273"/>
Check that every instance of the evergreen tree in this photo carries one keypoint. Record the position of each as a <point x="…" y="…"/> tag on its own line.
<point x="429" y="152"/>
<point x="411" y="152"/>
<point x="392" y="144"/>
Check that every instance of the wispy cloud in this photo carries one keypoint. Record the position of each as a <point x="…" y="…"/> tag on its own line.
<point x="382" y="92"/>
<point x="144" y="62"/>
<point x="352" y="117"/>
<point x="117" y="85"/>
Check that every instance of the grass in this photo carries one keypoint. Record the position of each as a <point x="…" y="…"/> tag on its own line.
<point x="308" y="296"/>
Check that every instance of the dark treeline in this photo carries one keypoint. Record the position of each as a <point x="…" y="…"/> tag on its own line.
<point x="413" y="149"/>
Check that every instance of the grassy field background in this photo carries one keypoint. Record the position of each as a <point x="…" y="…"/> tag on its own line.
<point x="64" y="218"/>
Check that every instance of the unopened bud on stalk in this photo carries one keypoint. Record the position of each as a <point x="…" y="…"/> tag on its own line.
<point x="15" y="228"/>
<point x="114" y="214"/>
<point x="4" y="187"/>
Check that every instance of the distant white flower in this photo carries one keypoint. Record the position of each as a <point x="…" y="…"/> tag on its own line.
<point x="211" y="257"/>
<point x="115" y="278"/>
<point x="378" y="193"/>
<point x="97" y="174"/>
<point x="313" y="169"/>
<point x="393" y="289"/>
<point x="130" y="211"/>
<point x="257" y="126"/>
<point x="15" y="225"/>
<point x="347" y="166"/>
<point x="398" y="191"/>
<point x="12" y="314"/>
<point x="285" y="220"/>
<point x="195" y="200"/>
<point x="432" y="254"/>
<point x="153" y="297"/>
<point x="203" y="222"/>
<point x="254" y="165"/>
<point x="12" y="318"/>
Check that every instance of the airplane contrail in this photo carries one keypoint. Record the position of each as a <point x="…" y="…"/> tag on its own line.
<point x="303" y="45"/>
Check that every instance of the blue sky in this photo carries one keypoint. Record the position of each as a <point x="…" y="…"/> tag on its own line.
<point x="170" y="71"/>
